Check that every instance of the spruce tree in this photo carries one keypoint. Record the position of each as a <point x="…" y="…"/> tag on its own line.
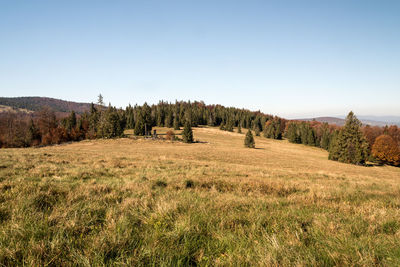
<point x="229" y="126"/>
<point x="187" y="134"/>
<point x="292" y="133"/>
<point x="33" y="136"/>
<point x="139" y="124"/>
<point x="249" y="140"/>
<point x="351" y="145"/>
<point x="311" y="137"/>
<point x="176" y="123"/>
<point x="168" y="120"/>
<point x="325" y="138"/>
<point x="333" y="146"/>
<point x="100" y="100"/>
<point x="147" y="119"/>
<point x="130" y="118"/>
<point x="71" y="121"/>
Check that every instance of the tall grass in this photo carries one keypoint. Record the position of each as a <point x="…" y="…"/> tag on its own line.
<point x="145" y="202"/>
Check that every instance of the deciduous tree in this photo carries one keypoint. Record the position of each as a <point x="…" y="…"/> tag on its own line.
<point x="386" y="150"/>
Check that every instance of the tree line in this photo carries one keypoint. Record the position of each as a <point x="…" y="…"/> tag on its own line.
<point x="45" y="128"/>
<point x="352" y="143"/>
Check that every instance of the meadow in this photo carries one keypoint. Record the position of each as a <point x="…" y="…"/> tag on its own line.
<point x="213" y="203"/>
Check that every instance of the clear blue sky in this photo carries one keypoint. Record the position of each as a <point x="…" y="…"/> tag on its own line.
<point x="290" y="58"/>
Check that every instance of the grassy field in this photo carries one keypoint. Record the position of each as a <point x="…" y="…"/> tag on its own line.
<point x="147" y="202"/>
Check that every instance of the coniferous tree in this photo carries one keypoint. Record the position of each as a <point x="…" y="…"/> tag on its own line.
<point x="33" y="137"/>
<point x="273" y="129"/>
<point x="147" y="119"/>
<point x="139" y="124"/>
<point x="130" y="117"/>
<point x="168" y="120"/>
<point x="292" y="133"/>
<point x="229" y="126"/>
<point x="211" y="120"/>
<point x="311" y="137"/>
<point x="350" y="145"/>
<point x="100" y="101"/>
<point x="187" y="134"/>
<point x="325" y="138"/>
<point x="93" y="121"/>
<point x="110" y="124"/>
<point x="239" y="128"/>
<point x="71" y="121"/>
<point x="176" y="123"/>
<point x="249" y="140"/>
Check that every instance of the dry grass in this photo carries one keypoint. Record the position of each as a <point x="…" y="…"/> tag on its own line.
<point x="142" y="202"/>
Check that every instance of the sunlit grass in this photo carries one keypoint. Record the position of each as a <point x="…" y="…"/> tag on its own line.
<point x="143" y="202"/>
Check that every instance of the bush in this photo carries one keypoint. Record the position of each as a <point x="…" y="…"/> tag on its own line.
<point x="189" y="184"/>
<point x="170" y="135"/>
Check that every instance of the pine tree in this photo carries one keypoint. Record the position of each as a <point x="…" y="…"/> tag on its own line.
<point x="273" y="129"/>
<point x="71" y="121"/>
<point x="187" y="134"/>
<point x="333" y="146"/>
<point x="168" y="120"/>
<point x="311" y="137"/>
<point x="350" y="145"/>
<point x="147" y="119"/>
<point x="100" y="100"/>
<point x="325" y="138"/>
<point x="229" y="126"/>
<point x="176" y="122"/>
<point x="239" y="128"/>
<point x="292" y="133"/>
<point x="249" y="140"/>
<point x="130" y="117"/>
<point x="33" y="137"/>
<point x="139" y="124"/>
<point x="110" y="124"/>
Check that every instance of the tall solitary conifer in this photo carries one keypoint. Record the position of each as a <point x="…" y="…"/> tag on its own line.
<point x="249" y="140"/>
<point x="350" y="145"/>
<point x="187" y="134"/>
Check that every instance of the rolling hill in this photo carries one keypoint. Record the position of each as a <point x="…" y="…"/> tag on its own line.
<point x="139" y="202"/>
<point x="26" y="104"/>
<point x="364" y="119"/>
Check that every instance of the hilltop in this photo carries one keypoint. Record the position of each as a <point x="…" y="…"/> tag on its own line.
<point x="35" y="103"/>
<point x="366" y="120"/>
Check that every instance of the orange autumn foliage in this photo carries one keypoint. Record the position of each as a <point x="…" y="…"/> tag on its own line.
<point x="386" y="149"/>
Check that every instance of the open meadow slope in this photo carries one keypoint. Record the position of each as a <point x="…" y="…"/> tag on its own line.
<point x="142" y="202"/>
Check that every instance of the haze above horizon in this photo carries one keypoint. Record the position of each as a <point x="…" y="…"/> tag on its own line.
<point x="292" y="59"/>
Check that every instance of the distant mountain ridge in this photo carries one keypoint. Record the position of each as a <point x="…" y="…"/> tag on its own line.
<point x="364" y="119"/>
<point x="330" y="120"/>
<point x="35" y="103"/>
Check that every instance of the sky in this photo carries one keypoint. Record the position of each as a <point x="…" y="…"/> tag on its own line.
<point x="288" y="58"/>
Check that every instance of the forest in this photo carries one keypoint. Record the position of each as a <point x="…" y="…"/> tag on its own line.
<point x="351" y="143"/>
